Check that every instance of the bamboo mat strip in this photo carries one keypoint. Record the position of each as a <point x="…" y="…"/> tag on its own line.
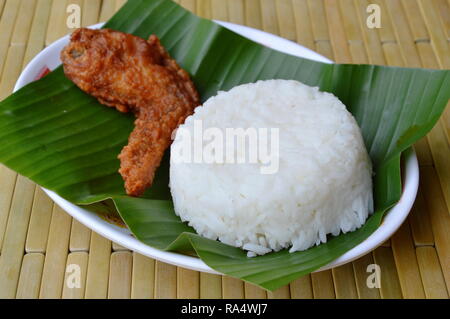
<point x="446" y="122"/>
<point x="72" y="8"/>
<point x="370" y="37"/>
<point x="74" y="285"/>
<point x="360" y="267"/>
<point x="120" y="275"/>
<point x="414" y="33"/>
<point x="39" y="226"/>
<point x="191" y="4"/>
<point x="339" y="40"/>
<point x="165" y="281"/>
<point x="303" y="23"/>
<point x="439" y="216"/>
<point x="391" y="47"/>
<point x="420" y="223"/>
<point x="2" y="4"/>
<point x="235" y="11"/>
<point x="281" y="293"/>
<point x="344" y="282"/>
<point x="391" y="50"/>
<point x="98" y="267"/>
<point x="188" y="284"/>
<point x="437" y="34"/>
<point x="320" y="28"/>
<point x="210" y="286"/>
<point x="416" y="22"/>
<point x="56" y="255"/>
<point x="353" y="32"/>
<point x="143" y="277"/>
<point x="57" y="22"/>
<point x="12" y="69"/>
<point x="107" y="10"/>
<point x="253" y="13"/>
<point x="443" y="7"/>
<point x="232" y="288"/>
<point x="440" y="148"/>
<point x="254" y="292"/>
<point x="322" y="285"/>
<point x="319" y="24"/>
<point x="91" y="12"/>
<point x="120" y="3"/>
<point x="408" y="270"/>
<point x="23" y="23"/>
<point x="36" y="39"/>
<point x="389" y="281"/>
<point x="422" y="147"/>
<point x="351" y="25"/>
<point x="117" y="247"/>
<point x="80" y="237"/>
<point x="30" y="276"/>
<point x="269" y="16"/>
<point x="301" y="288"/>
<point x="286" y="20"/>
<point x="17" y="46"/>
<point x="403" y="33"/>
<point x="6" y="25"/>
<point x="430" y="270"/>
<point x="15" y="236"/>
<point x="8" y="180"/>
<point x="386" y="31"/>
<point x="324" y="48"/>
<point x="203" y="8"/>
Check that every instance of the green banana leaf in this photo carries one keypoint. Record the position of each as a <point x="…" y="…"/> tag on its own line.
<point x="64" y="140"/>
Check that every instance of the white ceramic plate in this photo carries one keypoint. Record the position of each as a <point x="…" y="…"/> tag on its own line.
<point x="49" y="57"/>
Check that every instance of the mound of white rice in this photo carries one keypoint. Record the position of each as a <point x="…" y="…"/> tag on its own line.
<point x="323" y="184"/>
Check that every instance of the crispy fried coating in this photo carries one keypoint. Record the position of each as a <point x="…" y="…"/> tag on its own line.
<point x="132" y="74"/>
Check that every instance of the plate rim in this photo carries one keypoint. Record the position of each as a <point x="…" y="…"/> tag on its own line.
<point x="393" y="219"/>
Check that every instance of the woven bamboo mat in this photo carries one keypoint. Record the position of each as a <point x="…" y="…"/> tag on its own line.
<point x="38" y="240"/>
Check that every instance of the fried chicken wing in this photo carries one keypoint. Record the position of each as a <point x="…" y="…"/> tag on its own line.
<point x="132" y="74"/>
